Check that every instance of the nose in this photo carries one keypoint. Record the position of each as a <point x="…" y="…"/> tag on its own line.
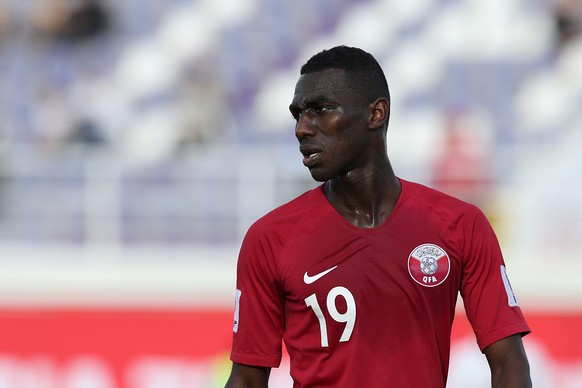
<point x="304" y="127"/>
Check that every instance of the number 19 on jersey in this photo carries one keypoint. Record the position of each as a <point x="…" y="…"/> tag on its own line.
<point x="348" y="317"/>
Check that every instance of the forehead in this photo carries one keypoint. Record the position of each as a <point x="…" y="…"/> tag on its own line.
<point x="329" y="83"/>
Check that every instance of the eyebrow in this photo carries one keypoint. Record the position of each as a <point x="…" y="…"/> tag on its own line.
<point x="316" y="101"/>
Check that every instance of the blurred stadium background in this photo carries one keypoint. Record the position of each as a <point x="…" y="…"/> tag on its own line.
<point x="139" y="140"/>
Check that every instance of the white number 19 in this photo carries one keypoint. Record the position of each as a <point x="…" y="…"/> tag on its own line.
<point x="349" y="317"/>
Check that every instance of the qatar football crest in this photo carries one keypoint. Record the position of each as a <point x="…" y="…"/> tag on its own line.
<point x="429" y="265"/>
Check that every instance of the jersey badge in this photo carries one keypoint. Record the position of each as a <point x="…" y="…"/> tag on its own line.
<point x="429" y="265"/>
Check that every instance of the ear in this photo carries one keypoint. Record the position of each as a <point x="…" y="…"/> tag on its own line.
<point x="379" y="113"/>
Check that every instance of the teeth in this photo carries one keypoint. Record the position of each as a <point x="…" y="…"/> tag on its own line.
<point x="313" y="154"/>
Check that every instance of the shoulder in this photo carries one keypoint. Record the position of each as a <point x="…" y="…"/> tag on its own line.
<point x="269" y="236"/>
<point x="443" y="211"/>
<point x="463" y="225"/>
<point x="279" y="222"/>
<point x="438" y="203"/>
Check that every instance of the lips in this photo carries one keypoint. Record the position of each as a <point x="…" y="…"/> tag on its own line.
<point x="310" y="155"/>
<point x="311" y="159"/>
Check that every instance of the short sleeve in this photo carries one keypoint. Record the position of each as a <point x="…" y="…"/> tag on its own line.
<point x="489" y="300"/>
<point x="259" y="310"/>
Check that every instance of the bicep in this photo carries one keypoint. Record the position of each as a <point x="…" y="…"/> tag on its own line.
<point x="246" y="376"/>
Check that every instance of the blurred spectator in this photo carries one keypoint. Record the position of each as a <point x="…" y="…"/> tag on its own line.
<point x="203" y="107"/>
<point x="568" y="20"/>
<point x="86" y="132"/>
<point x="63" y="117"/>
<point x="52" y="117"/>
<point x="13" y="19"/>
<point x="462" y="167"/>
<point x="3" y="19"/>
<point x="70" y="20"/>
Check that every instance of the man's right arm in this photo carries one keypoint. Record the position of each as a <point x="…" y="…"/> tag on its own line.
<point x="246" y="376"/>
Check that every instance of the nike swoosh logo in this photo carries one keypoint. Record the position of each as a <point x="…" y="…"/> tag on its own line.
<point x="310" y="279"/>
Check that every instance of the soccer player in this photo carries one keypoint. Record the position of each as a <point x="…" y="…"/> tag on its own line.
<point x="360" y="276"/>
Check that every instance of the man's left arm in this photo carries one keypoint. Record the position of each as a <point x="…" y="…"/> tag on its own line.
<point x="508" y="363"/>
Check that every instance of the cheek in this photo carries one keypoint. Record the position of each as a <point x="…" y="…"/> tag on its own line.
<point x="340" y="127"/>
<point x="353" y="123"/>
<point x="344" y="134"/>
<point x="352" y="134"/>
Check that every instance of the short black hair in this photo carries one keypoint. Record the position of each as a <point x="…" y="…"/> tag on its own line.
<point x="363" y="69"/>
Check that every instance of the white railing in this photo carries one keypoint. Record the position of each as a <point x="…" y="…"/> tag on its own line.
<point x="210" y="194"/>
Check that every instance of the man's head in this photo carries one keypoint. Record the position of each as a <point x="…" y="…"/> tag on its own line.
<point x="368" y="79"/>
<point x="341" y="110"/>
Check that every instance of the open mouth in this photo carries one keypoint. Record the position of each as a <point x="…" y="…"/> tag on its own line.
<point x="310" y="156"/>
<point x="310" y="153"/>
<point x="310" y="159"/>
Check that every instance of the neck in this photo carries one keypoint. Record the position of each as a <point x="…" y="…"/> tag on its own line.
<point x="365" y="199"/>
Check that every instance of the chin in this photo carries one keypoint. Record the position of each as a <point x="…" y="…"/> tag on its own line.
<point x="320" y="176"/>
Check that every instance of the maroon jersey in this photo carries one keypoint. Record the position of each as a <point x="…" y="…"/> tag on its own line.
<point x="369" y="307"/>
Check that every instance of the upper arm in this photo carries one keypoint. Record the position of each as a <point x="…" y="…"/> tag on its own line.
<point x="508" y="363"/>
<point x="488" y="297"/>
<point x="246" y="376"/>
<point x="259" y="305"/>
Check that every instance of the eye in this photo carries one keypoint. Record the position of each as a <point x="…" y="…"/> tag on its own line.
<point x="322" y="108"/>
<point x="297" y="112"/>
